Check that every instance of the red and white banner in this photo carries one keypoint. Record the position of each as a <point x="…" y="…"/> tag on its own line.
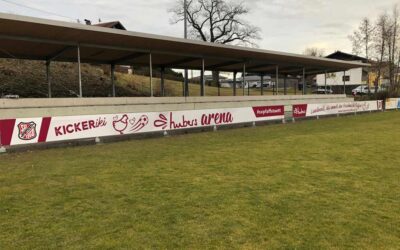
<point x="310" y="110"/>
<point x="51" y="129"/>
<point x="392" y="103"/>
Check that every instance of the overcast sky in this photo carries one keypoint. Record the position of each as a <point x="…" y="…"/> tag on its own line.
<point x="287" y="25"/>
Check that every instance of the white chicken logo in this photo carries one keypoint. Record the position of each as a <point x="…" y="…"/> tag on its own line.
<point x="122" y="124"/>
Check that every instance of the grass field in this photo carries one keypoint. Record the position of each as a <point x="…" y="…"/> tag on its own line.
<point x="327" y="184"/>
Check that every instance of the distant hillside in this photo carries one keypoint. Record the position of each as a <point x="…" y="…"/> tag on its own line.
<point x="28" y="80"/>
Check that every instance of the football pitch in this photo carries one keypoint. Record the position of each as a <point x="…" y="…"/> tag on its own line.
<point x="318" y="184"/>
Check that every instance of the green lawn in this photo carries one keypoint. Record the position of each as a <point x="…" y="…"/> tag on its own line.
<point x="327" y="184"/>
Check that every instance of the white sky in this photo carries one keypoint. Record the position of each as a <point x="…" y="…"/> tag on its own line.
<point x="287" y="25"/>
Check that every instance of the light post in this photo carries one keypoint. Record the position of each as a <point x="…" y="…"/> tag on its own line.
<point x="186" y="85"/>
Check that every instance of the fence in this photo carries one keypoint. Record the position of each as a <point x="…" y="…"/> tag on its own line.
<point x="27" y="131"/>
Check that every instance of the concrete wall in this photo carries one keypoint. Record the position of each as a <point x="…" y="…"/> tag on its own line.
<point x="21" y="108"/>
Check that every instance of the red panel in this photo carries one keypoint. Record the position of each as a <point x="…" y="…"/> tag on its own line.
<point x="299" y="110"/>
<point x="6" y="131"/>
<point x="269" y="111"/>
<point x="44" y="129"/>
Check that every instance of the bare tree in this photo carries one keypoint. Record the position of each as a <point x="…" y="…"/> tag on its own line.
<point x="362" y="41"/>
<point x="362" y="37"/>
<point x="379" y="41"/>
<point x="380" y="38"/>
<point x="314" y="51"/>
<point x="392" y="42"/>
<point x="217" y="21"/>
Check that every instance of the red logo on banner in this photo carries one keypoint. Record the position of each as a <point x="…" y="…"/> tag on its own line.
<point x="141" y="123"/>
<point x="300" y="110"/>
<point x="269" y="111"/>
<point x="162" y="122"/>
<point x="122" y="124"/>
<point x="27" y="131"/>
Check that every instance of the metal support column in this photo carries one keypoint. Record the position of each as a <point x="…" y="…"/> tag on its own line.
<point x="285" y="84"/>
<point x="248" y="89"/>
<point x="113" y="79"/>
<point x="262" y="84"/>
<point x="243" y="77"/>
<point x="277" y="81"/>
<point x="344" y="82"/>
<point x="186" y="83"/>
<point x="304" y="81"/>
<point x="203" y="80"/>
<point x="151" y="74"/>
<point x="48" y="78"/>
<point x="186" y="74"/>
<point x="162" y="82"/>
<point x="326" y="86"/>
<point x="234" y="83"/>
<point x="219" y="85"/>
<point x="79" y="71"/>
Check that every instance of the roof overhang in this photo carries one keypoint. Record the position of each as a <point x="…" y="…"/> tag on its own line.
<point x="41" y="39"/>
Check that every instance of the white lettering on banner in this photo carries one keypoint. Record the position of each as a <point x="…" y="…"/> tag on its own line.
<point x="91" y="126"/>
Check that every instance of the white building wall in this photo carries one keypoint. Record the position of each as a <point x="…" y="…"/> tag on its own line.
<point x="336" y="79"/>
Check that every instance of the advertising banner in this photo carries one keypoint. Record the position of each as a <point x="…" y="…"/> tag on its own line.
<point x="312" y="110"/>
<point x="392" y="103"/>
<point x="51" y="129"/>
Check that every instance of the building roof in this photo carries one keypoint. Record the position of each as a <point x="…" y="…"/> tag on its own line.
<point x="41" y="39"/>
<point x="112" y="25"/>
<point x="339" y="55"/>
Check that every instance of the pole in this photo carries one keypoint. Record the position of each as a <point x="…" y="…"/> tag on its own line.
<point x="368" y="81"/>
<point x="113" y="79"/>
<point x="243" y="77"/>
<point x="304" y="81"/>
<point x="234" y="83"/>
<point x="48" y="78"/>
<point x="262" y="84"/>
<point x="185" y="18"/>
<point x="248" y="89"/>
<point x="285" y="84"/>
<point x="203" y="80"/>
<point x="151" y="74"/>
<point x="79" y="71"/>
<point x="344" y="82"/>
<point x="326" y="86"/>
<point x="186" y="84"/>
<point x="219" y="85"/>
<point x="162" y="82"/>
<point x="277" y="80"/>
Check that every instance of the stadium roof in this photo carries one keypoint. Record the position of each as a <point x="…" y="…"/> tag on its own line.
<point x="40" y="39"/>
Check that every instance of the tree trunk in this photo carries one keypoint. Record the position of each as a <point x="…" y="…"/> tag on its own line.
<point x="215" y="77"/>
